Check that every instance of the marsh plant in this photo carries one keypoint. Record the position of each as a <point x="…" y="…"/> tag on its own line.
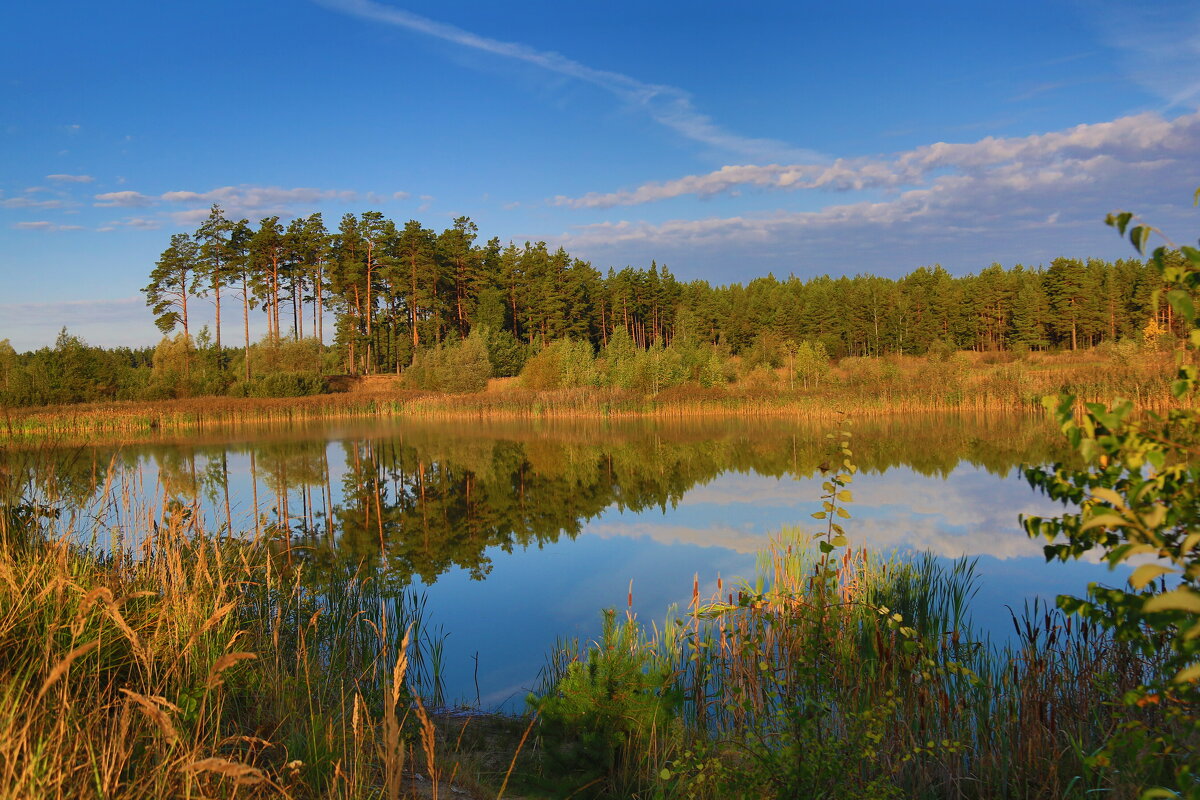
<point x="836" y="672"/>
<point x="198" y="664"/>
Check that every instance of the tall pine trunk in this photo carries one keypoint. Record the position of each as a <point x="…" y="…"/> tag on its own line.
<point x="246" y="322"/>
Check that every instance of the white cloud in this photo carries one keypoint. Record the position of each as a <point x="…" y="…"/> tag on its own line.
<point x="1141" y="138"/>
<point x="258" y="197"/>
<point x="669" y="106"/>
<point x="234" y="200"/>
<point x="1025" y="200"/>
<point x="125" y="199"/>
<point x="251" y="200"/>
<point x="139" y="223"/>
<point x="63" y="178"/>
<point x="43" y="225"/>
<point x="108" y="321"/>
<point x="29" y="202"/>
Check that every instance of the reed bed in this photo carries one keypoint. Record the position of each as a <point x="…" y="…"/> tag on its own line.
<point x="202" y="665"/>
<point x="872" y="685"/>
<point x="863" y="386"/>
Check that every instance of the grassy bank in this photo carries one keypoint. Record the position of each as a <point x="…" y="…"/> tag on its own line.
<point x="962" y="382"/>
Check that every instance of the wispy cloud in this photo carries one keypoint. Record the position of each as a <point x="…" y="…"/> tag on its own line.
<point x="125" y="199"/>
<point x="1158" y="46"/>
<point x="1025" y="200"/>
<point x="29" y="202"/>
<point x="43" y="225"/>
<point x="258" y="197"/>
<point x="251" y="200"/>
<point x="63" y="178"/>
<point x="667" y="105"/>
<point x="137" y="223"/>
<point x="185" y="206"/>
<point x="1142" y="137"/>
<point x="113" y="322"/>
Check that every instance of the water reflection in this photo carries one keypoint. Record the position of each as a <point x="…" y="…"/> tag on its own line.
<point x="520" y="533"/>
<point x="417" y="500"/>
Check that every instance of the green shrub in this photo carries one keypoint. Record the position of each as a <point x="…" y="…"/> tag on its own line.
<point x="605" y="710"/>
<point x="456" y="367"/>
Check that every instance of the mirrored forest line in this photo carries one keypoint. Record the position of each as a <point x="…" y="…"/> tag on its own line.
<point x="418" y="500"/>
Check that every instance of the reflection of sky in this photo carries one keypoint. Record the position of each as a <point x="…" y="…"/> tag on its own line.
<point x="532" y="597"/>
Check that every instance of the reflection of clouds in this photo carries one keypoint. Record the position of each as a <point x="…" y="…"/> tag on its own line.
<point x="739" y="540"/>
<point x="968" y="513"/>
<point x="735" y="488"/>
<point x="928" y="533"/>
<point x="967" y="497"/>
<point x="900" y="530"/>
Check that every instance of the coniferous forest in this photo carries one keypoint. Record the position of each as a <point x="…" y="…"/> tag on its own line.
<point x="376" y="297"/>
<point x="391" y="290"/>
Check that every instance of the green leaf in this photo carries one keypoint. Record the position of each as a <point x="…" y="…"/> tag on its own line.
<point x="1119" y="221"/>
<point x="665" y="774"/>
<point x="1147" y="573"/>
<point x="1181" y="301"/>
<point x="1181" y="599"/>
<point x="1154" y="518"/>
<point x="1103" y="521"/>
<point x="1138" y="236"/>
<point x="1153" y="794"/>
<point x="1188" y="674"/>
<point x="1108" y="496"/>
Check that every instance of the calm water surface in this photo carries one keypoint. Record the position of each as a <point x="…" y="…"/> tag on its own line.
<point x="520" y="533"/>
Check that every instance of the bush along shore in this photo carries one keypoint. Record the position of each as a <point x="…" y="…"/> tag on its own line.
<point x="219" y="666"/>
<point x="567" y="380"/>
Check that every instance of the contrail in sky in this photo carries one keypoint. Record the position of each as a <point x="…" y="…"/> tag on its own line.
<point x="667" y="105"/>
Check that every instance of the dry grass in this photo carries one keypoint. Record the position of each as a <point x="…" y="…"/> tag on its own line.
<point x="978" y="382"/>
<point x="198" y="666"/>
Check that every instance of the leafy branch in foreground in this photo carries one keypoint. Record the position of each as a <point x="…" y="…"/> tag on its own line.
<point x="1138" y="499"/>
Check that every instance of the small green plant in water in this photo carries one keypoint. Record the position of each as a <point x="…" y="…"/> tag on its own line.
<point x="606" y="708"/>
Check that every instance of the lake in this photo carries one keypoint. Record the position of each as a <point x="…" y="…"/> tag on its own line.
<point x="519" y="534"/>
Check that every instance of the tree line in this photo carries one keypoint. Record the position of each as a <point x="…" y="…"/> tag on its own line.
<point x="391" y="291"/>
<point x="449" y="312"/>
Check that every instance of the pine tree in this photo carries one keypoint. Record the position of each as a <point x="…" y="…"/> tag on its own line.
<point x="172" y="281"/>
<point x="213" y="238"/>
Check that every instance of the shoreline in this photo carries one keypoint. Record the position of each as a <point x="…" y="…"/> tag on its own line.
<point x="140" y="418"/>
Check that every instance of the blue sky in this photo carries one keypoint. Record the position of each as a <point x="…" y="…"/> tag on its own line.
<point x="794" y="138"/>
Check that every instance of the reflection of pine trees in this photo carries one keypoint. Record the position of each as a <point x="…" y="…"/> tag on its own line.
<point x="436" y="497"/>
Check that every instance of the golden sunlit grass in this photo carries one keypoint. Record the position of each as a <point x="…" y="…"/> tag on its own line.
<point x="980" y="382"/>
<point x="199" y="666"/>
